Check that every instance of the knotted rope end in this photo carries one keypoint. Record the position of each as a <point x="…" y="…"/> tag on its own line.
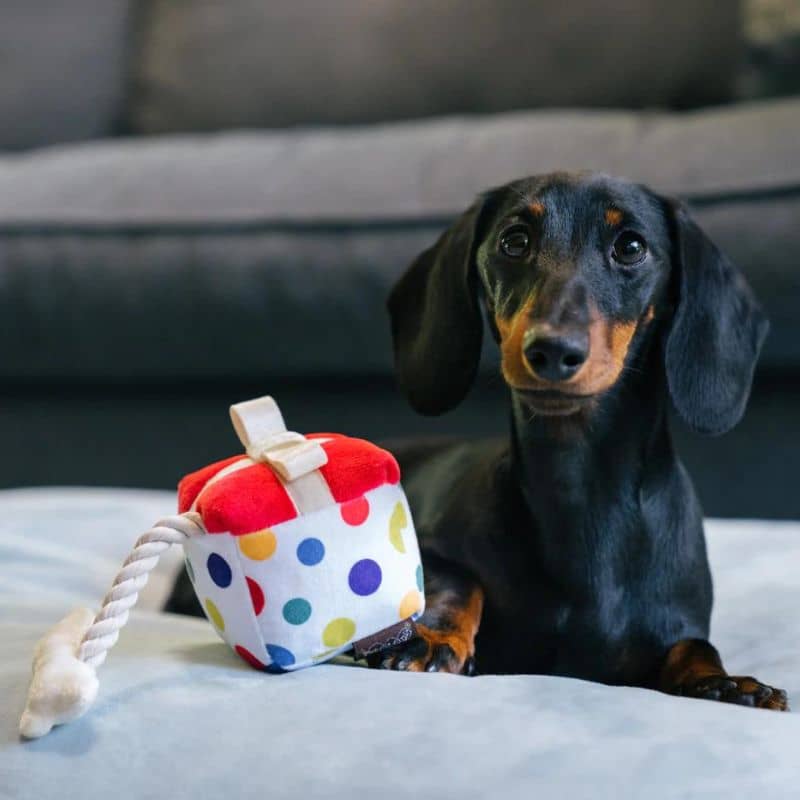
<point x="63" y="687"/>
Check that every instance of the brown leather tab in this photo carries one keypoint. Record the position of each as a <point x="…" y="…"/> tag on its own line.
<point x="383" y="640"/>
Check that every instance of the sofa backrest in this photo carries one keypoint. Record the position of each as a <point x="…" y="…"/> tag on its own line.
<point x="90" y="68"/>
<point x="63" y="69"/>
<point x="208" y="65"/>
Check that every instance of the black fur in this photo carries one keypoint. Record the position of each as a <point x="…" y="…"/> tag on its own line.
<point x="716" y="333"/>
<point x="583" y="530"/>
<point x="421" y="321"/>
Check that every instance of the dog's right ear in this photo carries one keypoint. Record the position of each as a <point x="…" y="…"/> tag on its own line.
<point x="436" y="320"/>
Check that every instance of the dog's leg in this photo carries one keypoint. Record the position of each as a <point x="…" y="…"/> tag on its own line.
<point x="445" y="640"/>
<point x="183" y="599"/>
<point x="693" y="668"/>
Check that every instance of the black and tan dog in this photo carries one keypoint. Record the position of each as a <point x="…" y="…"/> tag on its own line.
<point x="577" y="547"/>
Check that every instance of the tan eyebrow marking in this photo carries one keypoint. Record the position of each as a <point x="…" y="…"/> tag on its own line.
<point x="613" y="216"/>
<point x="536" y="208"/>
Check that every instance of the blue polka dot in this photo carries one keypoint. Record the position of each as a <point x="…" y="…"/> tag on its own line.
<point x="219" y="570"/>
<point x="365" y="577"/>
<point x="281" y="658"/>
<point x="420" y="578"/>
<point x="310" y="552"/>
<point x="297" y="611"/>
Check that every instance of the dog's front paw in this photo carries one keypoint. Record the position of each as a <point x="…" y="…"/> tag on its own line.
<point x="743" y="691"/>
<point x="428" y="651"/>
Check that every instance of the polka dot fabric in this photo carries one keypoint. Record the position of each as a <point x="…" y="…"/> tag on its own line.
<point x="298" y="592"/>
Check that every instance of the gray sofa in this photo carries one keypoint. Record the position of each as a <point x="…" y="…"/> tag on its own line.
<point x="199" y="204"/>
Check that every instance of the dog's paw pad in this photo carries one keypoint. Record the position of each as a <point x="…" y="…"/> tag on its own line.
<point x="744" y="691"/>
<point x="427" y="652"/>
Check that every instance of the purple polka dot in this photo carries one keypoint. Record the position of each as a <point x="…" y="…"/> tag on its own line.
<point x="365" y="577"/>
<point x="219" y="570"/>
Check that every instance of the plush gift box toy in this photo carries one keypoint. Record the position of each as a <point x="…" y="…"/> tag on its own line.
<point x="300" y="550"/>
<point x="310" y="545"/>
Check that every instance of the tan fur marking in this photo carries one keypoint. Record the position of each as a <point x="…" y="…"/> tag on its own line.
<point x="691" y="663"/>
<point x="620" y="336"/>
<point x="515" y="368"/>
<point x="613" y="216"/>
<point x="649" y="315"/>
<point x="465" y="623"/>
<point x="608" y="347"/>
<point x="536" y="208"/>
<point x="687" y="662"/>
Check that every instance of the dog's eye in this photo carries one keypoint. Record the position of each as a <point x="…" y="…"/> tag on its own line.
<point x="515" y="241"/>
<point x="629" y="249"/>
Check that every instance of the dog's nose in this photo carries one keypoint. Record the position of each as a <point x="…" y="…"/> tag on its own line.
<point x="555" y="356"/>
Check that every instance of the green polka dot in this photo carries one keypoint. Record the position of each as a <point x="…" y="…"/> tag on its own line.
<point x="297" y="611"/>
<point x="338" y="632"/>
<point x="420" y="579"/>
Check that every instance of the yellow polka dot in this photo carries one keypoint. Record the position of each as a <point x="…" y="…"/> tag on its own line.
<point x="338" y="631"/>
<point x="259" y="545"/>
<point x="396" y="525"/>
<point x="324" y="654"/>
<point x="214" y="615"/>
<point x="410" y="604"/>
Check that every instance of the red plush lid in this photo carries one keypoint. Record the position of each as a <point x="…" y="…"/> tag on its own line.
<point x="253" y="498"/>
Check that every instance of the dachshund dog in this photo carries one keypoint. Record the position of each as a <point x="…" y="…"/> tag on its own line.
<point x="577" y="547"/>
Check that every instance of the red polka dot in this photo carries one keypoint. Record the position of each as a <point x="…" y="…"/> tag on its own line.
<point x="356" y="511"/>
<point x="256" y="595"/>
<point x="249" y="657"/>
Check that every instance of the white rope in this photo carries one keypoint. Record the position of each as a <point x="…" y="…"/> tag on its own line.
<point x="64" y="682"/>
<point x="104" y="631"/>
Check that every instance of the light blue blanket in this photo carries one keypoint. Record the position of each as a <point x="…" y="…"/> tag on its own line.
<point x="180" y="717"/>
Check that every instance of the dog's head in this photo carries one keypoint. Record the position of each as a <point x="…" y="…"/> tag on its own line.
<point x="574" y="272"/>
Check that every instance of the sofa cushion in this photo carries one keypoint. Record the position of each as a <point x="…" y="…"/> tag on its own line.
<point x="179" y="715"/>
<point x="62" y="70"/>
<point x="261" y="254"/>
<point x="292" y="62"/>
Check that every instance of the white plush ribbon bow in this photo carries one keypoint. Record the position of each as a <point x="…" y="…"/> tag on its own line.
<point x="260" y="427"/>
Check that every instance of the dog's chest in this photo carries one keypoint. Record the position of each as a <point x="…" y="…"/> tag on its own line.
<point x="588" y="612"/>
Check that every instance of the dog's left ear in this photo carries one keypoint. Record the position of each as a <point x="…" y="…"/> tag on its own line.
<point x="716" y="335"/>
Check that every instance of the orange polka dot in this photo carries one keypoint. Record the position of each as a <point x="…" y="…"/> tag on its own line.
<point x="258" y="546"/>
<point x="410" y="604"/>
